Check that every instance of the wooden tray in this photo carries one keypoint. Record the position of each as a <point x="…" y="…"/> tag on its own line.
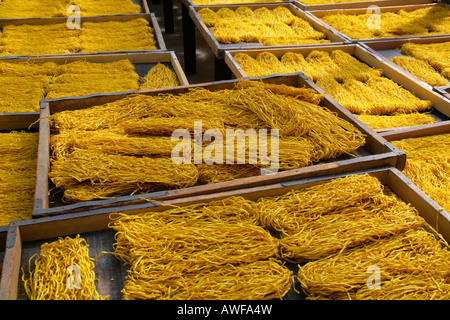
<point x="219" y="48"/>
<point x="150" y="17"/>
<point x="376" y="152"/>
<point x="441" y="106"/>
<point x="388" y="49"/>
<point x="357" y="4"/>
<point x="317" y="14"/>
<point x="143" y="61"/>
<point x="25" y="237"/>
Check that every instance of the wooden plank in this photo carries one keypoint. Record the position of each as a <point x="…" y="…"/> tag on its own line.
<point x="318" y="14"/>
<point x="219" y="48"/>
<point x="46" y="228"/>
<point x="11" y="266"/>
<point x="376" y="152"/>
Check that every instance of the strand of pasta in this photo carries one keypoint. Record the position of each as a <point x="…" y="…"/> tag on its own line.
<point x="413" y="258"/>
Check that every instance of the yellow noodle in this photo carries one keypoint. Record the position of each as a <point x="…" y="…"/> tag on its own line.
<point x="420" y="69"/>
<point x="48" y="280"/>
<point x="406" y="261"/>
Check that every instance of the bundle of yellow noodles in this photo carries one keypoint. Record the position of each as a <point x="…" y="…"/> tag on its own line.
<point x="36" y="81"/>
<point x="15" y="9"/>
<point x="205" y="251"/>
<point x="270" y="27"/>
<point x="159" y="76"/>
<point x="39" y="39"/>
<point x="428" y="166"/>
<point x="117" y="36"/>
<point x="396" y="121"/>
<point x="435" y="54"/>
<point x="18" y="159"/>
<point x="413" y="265"/>
<point x="421" y="70"/>
<point x="51" y="279"/>
<point x="327" y="218"/>
<point x="83" y="78"/>
<point x="106" y="7"/>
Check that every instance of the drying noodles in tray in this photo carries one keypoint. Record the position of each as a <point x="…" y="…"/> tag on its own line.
<point x="36" y="81"/>
<point x="18" y="159"/>
<point x="421" y="69"/>
<point x="129" y="139"/>
<point x="334" y="231"/>
<point x="278" y="26"/>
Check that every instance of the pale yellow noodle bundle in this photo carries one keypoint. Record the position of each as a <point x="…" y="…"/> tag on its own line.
<point x="177" y="253"/>
<point x="407" y="261"/>
<point x="160" y="76"/>
<point x="16" y="9"/>
<point x="91" y="37"/>
<point x="421" y="70"/>
<point x="49" y="279"/>
<point x="259" y="280"/>
<point x="428" y="166"/>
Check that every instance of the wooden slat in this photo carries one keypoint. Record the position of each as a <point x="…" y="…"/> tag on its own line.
<point x="219" y="49"/>
<point x="11" y="266"/>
